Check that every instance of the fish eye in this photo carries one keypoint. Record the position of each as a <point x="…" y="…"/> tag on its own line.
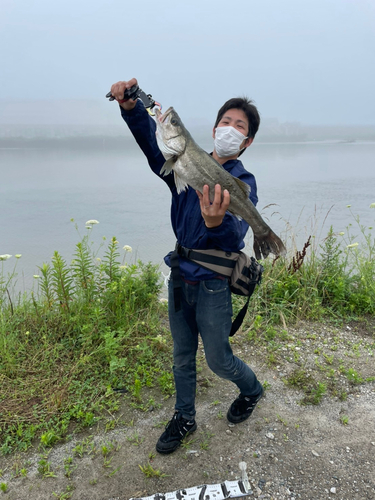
<point x="174" y="121"/>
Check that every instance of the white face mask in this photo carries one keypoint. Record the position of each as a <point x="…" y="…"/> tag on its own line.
<point x="228" y="141"/>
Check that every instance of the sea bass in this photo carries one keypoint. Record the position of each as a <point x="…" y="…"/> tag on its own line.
<point x="192" y="166"/>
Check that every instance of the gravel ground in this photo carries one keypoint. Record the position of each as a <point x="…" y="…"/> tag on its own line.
<point x="292" y="450"/>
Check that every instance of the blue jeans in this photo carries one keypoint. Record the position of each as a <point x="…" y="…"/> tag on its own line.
<point x="206" y="309"/>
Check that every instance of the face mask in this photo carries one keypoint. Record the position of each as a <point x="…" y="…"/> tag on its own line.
<point x="228" y="141"/>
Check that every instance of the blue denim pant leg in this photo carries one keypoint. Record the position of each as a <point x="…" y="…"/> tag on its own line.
<point x="214" y="320"/>
<point x="206" y="308"/>
<point x="185" y="344"/>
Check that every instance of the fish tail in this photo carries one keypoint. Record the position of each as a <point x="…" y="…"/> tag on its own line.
<point x="268" y="243"/>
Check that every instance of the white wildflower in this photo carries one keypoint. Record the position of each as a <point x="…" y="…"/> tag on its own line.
<point x="91" y="222"/>
<point x="163" y="301"/>
<point x="88" y="227"/>
<point x="6" y="256"/>
<point x="348" y="206"/>
<point x="372" y="205"/>
<point x="18" y="255"/>
<point x="341" y="233"/>
<point x="352" y="245"/>
<point x="36" y="276"/>
<point x="123" y="267"/>
<point x="127" y="248"/>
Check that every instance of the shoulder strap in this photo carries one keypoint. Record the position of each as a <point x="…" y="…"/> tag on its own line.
<point x="239" y="318"/>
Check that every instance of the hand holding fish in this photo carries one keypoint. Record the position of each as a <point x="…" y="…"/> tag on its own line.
<point x="117" y="91"/>
<point x="213" y="213"/>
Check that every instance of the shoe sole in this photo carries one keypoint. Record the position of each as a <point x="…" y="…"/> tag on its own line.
<point x="233" y="420"/>
<point x="164" y="451"/>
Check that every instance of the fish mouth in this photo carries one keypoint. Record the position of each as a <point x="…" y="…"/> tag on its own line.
<point x="162" y="117"/>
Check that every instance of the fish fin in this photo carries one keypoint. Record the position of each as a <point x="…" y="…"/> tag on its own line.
<point x="168" y="166"/>
<point x="243" y="186"/>
<point x="239" y="217"/>
<point x="181" y="185"/>
<point x="268" y="243"/>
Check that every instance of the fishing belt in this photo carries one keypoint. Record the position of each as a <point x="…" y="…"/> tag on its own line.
<point x="242" y="271"/>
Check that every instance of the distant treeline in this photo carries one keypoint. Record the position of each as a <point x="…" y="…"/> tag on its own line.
<point x="269" y="134"/>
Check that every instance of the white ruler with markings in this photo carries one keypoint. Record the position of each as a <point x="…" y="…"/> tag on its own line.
<point x="222" y="491"/>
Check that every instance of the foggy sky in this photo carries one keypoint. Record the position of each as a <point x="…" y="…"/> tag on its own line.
<point x="311" y="61"/>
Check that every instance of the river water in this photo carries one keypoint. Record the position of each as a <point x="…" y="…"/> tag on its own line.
<point x="303" y="188"/>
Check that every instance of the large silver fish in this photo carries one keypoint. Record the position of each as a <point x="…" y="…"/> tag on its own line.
<point x="192" y="166"/>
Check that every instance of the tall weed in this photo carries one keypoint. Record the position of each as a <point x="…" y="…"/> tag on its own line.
<point x="87" y="328"/>
<point x="335" y="279"/>
<point x="95" y="324"/>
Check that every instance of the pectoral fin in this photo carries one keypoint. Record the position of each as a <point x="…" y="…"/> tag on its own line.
<point x="167" y="168"/>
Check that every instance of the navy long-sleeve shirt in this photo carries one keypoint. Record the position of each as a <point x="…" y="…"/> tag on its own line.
<point x="187" y="221"/>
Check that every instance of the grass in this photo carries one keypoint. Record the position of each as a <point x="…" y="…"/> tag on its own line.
<point x="314" y="390"/>
<point x="65" y="495"/>
<point x="205" y="440"/>
<point x="44" y="468"/>
<point x="90" y="326"/>
<point x="334" y="279"/>
<point x="135" y="440"/>
<point x="344" y="419"/>
<point x="149" y="471"/>
<point x="95" y="324"/>
<point x="332" y="284"/>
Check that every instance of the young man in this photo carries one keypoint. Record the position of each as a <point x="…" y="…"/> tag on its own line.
<point x="206" y="307"/>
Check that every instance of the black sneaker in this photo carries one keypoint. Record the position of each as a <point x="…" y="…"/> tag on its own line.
<point x="243" y="407"/>
<point x="175" y="431"/>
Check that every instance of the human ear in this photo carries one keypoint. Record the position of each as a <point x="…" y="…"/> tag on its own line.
<point x="247" y="142"/>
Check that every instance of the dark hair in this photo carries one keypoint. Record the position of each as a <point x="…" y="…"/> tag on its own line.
<point x="247" y="107"/>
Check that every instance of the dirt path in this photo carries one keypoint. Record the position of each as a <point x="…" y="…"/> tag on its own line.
<point x="291" y="450"/>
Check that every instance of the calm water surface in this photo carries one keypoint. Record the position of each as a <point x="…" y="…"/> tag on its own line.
<point x="303" y="187"/>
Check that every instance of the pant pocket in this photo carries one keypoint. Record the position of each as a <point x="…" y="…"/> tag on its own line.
<point x="214" y="286"/>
